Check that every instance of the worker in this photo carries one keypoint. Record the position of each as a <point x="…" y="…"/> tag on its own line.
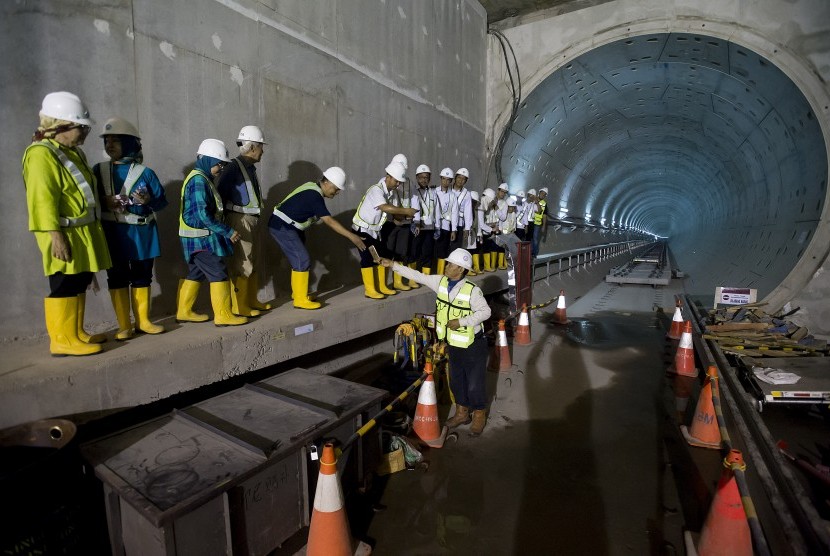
<point x="206" y="239"/>
<point x="64" y="215"/>
<point x="294" y="214"/>
<point x="465" y="208"/>
<point x="460" y="311"/>
<point x="499" y="211"/>
<point x="474" y="237"/>
<point x="521" y="215"/>
<point x="396" y="233"/>
<point x="238" y="185"/>
<point x="489" y="229"/>
<point x="371" y="214"/>
<point x="130" y="194"/>
<point x="532" y="207"/>
<point x="423" y="243"/>
<point x="540" y="220"/>
<point x="448" y="213"/>
<point x="509" y="226"/>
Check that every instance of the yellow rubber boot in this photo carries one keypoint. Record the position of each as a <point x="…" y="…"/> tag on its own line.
<point x="368" y="275"/>
<point x="239" y="298"/>
<point x="426" y="270"/>
<point x="502" y="261"/>
<point x="62" y="325"/>
<point x="397" y="283"/>
<point x="412" y="283"/>
<point x="488" y="267"/>
<point x="439" y="267"/>
<point x="188" y="290"/>
<point x="477" y="263"/>
<point x="253" y="290"/>
<point x="121" y="303"/>
<point x="382" y="287"/>
<point x="82" y="335"/>
<point x="220" y="299"/>
<point x="141" y="309"/>
<point x="299" y="287"/>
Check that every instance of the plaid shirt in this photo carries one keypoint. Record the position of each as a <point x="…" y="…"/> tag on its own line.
<point x="199" y="210"/>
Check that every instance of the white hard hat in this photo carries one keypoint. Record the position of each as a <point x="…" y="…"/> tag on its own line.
<point x="422" y="169"/>
<point x="520" y="194"/>
<point x="462" y="258"/>
<point x="504" y="187"/>
<point x="511" y="202"/>
<point x="251" y="133"/>
<point x="474" y="195"/>
<point x="489" y="192"/>
<point x="396" y="170"/>
<point x="531" y="192"/>
<point x="447" y="173"/>
<point x="336" y="176"/>
<point x="65" y="106"/>
<point x="401" y="158"/>
<point x="214" y="148"/>
<point x="545" y="189"/>
<point x="119" y="126"/>
<point x="463" y="172"/>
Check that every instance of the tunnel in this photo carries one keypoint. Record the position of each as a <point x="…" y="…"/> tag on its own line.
<point x="681" y="136"/>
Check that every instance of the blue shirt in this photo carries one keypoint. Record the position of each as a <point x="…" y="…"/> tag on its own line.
<point x="305" y="205"/>
<point x="231" y="184"/>
<point x="199" y="211"/>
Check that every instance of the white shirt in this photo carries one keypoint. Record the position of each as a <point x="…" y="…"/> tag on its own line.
<point x="369" y="213"/>
<point x="447" y="208"/>
<point x="465" y="208"/>
<point x="424" y="201"/>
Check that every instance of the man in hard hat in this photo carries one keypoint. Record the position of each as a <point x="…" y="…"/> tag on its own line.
<point x="423" y="243"/>
<point x="294" y="214"/>
<point x="447" y="218"/>
<point x="242" y="200"/>
<point x="530" y="213"/>
<point x="540" y="220"/>
<point x="499" y="211"/>
<point x="465" y="208"/>
<point x="396" y="233"/>
<point x="460" y="311"/>
<point x="206" y="240"/>
<point x="132" y="195"/>
<point x="375" y="207"/>
<point x="491" y="225"/>
<point x="521" y="215"/>
<point x="65" y="217"/>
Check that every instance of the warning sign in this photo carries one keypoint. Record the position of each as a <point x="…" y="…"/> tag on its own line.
<point x="734" y="296"/>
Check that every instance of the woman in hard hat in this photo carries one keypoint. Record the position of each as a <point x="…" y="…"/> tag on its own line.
<point x="64" y="215"/>
<point x="206" y="239"/>
<point x="299" y="210"/>
<point x="460" y="311"/>
<point x="131" y="194"/>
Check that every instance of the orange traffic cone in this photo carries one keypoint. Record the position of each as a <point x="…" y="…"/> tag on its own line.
<point x="705" y="432"/>
<point x="522" y="335"/>
<point x="329" y="533"/>
<point x="426" y="413"/>
<point x="726" y="530"/>
<point x="676" y="329"/>
<point x="500" y="359"/>
<point x="684" y="359"/>
<point x="559" y="315"/>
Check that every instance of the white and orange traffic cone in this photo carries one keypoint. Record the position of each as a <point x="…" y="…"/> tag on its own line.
<point x="686" y="373"/>
<point x="426" y="423"/>
<point x="726" y="530"/>
<point x="705" y="432"/>
<point x="559" y="315"/>
<point x="676" y="329"/>
<point x="522" y="335"/>
<point x="328" y="534"/>
<point x="500" y="359"/>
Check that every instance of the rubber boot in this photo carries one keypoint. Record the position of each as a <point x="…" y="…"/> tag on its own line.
<point x="188" y="290"/>
<point x="397" y="283"/>
<point x="62" y="325"/>
<point x="369" y="290"/>
<point x="477" y="263"/>
<point x="121" y="303"/>
<point x="239" y="298"/>
<point x="141" y="310"/>
<point x="488" y="267"/>
<point x="473" y="271"/>
<point x="461" y="417"/>
<point x="426" y="270"/>
<point x="220" y="299"/>
<point x="253" y="290"/>
<point x="479" y="421"/>
<point x="82" y="335"/>
<point x="412" y="283"/>
<point x="299" y="287"/>
<point x="439" y="267"/>
<point x="382" y="287"/>
<point x="502" y="261"/>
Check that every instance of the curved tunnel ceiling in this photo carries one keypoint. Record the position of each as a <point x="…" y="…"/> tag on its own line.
<point x="683" y="136"/>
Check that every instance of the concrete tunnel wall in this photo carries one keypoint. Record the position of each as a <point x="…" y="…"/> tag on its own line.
<point x="742" y="195"/>
<point x="348" y="84"/>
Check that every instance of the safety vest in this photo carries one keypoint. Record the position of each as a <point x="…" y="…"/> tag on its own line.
<point x="447" y="310"/>
<point x="427" y="205"/>
<point x="460" y="199"/>
<point x="446" y="212"/>
<point x="539" y="216"/>
<point x="379" y="218"/>
<point x="93" y="211"/>
<point x="133" y="174"/>
<point x="287" y="219"/>
<point x="253" y="200"/>
<point x="186" y="230"/>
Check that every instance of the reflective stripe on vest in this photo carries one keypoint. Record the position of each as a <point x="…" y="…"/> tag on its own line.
<point x="538" y="216"/>
<point x="133" y="174"/>
<point x="93" y="212"/>
<point x="460" y="199"/>
<point x="447" y="310"/>
<point x="287" y="219"/>
<point x="186" y="230"/>
<point x="446" y="214"/>
<point x="253" y="201"/>
<point x="360" y="223"/>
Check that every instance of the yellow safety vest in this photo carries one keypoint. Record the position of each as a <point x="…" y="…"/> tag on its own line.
<point x="253" y="201"/>
<point x="539" y="216"/>
<point x="287" y="219"/>
<point x="373" y="226"/>
<point x="186" y="230"/>
<point x="447" y="310"/>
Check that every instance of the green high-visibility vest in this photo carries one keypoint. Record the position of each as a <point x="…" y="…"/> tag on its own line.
<point x="380" y="221"/>
<point x="188" y="231"/>
<point x="539" y="216"/>
<point x="459" y="307"/>
<point x="285" y="218"/>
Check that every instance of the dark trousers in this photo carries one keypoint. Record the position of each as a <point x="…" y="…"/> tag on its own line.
<point x="468" y="370"/>
<point x="442" y="245"/>
<point x="397" y="243"/>
<point x="366" y="259"/>
<point x="459" y="240"/>
<point x="423" y="248"/>
<point x="205" y="264"/>
<point x="537" y="238"/>
<point x="520" y="233"/>
<point x="138" y="274"/>
<point x="69" y="285"/>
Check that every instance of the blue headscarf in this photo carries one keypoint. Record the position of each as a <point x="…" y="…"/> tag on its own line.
<point x="130" y="149"/>
<point x="205" y="163"/>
